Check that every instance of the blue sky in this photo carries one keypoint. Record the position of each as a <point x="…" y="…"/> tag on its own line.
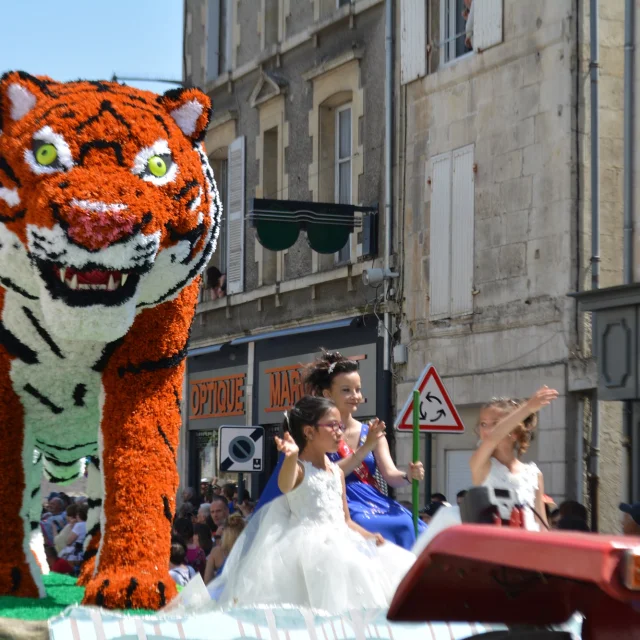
<point x="88" y="39"/>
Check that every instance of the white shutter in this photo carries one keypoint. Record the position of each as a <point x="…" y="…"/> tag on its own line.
<point x="462" y="231"/>
<point x="413" y="40"/>
<point x="213" y="40"/>
<point x="235" y="217"/>
<point x="458" y="473"/>
<point x="440" y="237"/>
<point x="487" y="24"/>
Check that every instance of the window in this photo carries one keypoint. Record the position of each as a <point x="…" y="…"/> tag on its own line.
<point x="218" y="38"/>
<point x="341" y="3"/>
<point x="343" y="145"/>
<point x="271" y="22"/>
<point x="223" y="189"/>
<point x="451" y="228"/>
<point x="453" y="25"/>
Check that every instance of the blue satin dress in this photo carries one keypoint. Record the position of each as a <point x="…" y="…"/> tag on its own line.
<point x="371" y="509"/>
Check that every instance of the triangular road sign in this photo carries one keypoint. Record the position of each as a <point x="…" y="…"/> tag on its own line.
<point x="437" y="413"/>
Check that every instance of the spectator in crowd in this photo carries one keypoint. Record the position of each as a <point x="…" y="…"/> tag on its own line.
<point x="219" y="510"/>
<point x="73" y="552"/>
<point x="203" y="513"/>
<point x="203" y="535"/>
<point x="571" y="523"/>
<point x="230" y="492"/>
<point x="188" y="495"/>
<point x="195" y="557"/>
<point x="54" y="519"/>
<point x="215" y="562"/>
<point x="246" y="507"/>
<point x="554" y="518"/>
<point x="216" y="490"/>
<point x="467" y="14"/>
<point x="630" y="518"/>
<point x="205" y="490"/>
<point x="178" y="570"/>
<point x="460" y="496"/>
<point x="62" y="539"/>
<point x="426" y="514"/>
<point x="186" y="510"/>
<point x="438" y="497"/>
<point x="573" y="509"/>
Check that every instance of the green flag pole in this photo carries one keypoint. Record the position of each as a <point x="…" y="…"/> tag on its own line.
<point x="416" y="456"/>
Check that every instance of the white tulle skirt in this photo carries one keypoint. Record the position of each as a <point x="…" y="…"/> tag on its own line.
<point x="324" y="566"/>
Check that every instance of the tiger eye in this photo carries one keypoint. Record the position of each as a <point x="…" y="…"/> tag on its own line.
<point x="46" y="155"/>
<point x="157" y="166"/>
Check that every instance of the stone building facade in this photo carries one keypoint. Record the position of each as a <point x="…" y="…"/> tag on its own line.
<point x="494" y="222"/>
<point x="297" y="91"/>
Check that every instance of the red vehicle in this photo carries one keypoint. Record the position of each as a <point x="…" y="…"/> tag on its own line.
<point x="523" y="580"/>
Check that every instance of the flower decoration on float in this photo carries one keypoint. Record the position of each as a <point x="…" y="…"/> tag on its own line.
<point x="109" y="213"/>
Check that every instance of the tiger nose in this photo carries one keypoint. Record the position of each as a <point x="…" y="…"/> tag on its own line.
<point x="96" y="225"/>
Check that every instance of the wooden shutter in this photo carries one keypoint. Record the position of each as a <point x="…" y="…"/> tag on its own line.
<point x="413" y="40"/>
<point x="213" y="39"/>
<point x="462" y="231"/>
<point x="440" y="237"/>
<point x="235" y="217"/>
<point x="487" y="24"/>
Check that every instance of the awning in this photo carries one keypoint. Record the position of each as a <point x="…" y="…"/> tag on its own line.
<point x="324" y="326"/>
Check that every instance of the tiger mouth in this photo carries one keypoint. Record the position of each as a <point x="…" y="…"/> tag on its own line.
<point x="88" y="286"/>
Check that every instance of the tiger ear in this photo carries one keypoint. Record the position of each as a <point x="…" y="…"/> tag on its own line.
<point x="190" y="109"/>
<point x="19" y="94"/>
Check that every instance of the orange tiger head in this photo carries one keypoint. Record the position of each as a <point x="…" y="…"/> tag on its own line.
<point x="108" y="204"/>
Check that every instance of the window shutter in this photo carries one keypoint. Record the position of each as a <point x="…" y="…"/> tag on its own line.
<point x="413" y="42"/>
<point x="213" y="39"/>
<point x="440" y="237"/>
<point x="235" y="217"/>
<point x="487" y="24"/>
<point x="462" y="231"/>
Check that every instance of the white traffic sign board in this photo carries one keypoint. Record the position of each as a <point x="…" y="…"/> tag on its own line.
<point x="437" y="413"/>
<point x="241" y="449"/>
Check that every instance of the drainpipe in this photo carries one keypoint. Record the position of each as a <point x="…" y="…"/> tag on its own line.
<point x="388" y="192"/>
<point x="629" y="45"/>
<point x="594" y="479"/>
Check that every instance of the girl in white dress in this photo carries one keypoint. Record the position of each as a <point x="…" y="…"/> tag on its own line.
<point x="505" y="428"/>
<point x="303" y="549"/>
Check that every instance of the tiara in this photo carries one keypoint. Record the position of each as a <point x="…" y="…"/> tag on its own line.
<point x="331" y="368"/>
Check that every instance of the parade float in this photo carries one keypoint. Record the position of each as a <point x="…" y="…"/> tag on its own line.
<point x="108" y="215"/>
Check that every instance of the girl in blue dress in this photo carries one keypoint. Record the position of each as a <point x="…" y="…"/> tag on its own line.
<point x="363" y="450"/>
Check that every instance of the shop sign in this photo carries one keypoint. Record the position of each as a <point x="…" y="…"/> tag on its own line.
<point x="216" y="396"/>
<point x="280" y="382"/>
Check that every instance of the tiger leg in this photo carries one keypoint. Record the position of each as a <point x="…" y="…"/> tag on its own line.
<point x="36" y="539"/>
<point x="138" y="443"/>
<point x="92" y="541"/>
<point x="19" y="573"/>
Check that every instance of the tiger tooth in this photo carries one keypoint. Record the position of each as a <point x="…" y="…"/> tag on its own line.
<point x="112" y="286"/>
<point x="63" y="273"/>
<point x="74" y="282"/>
<point x="123" y="279"/>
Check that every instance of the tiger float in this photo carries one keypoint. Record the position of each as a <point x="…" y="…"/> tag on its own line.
<point x="109" y="213"/>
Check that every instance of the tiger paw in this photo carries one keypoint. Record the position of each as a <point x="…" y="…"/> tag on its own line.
<point x="17" y="580"/>
<point x="121" y="590"/>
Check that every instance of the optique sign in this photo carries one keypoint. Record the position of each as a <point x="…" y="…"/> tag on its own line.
<point x="220" y="397"/>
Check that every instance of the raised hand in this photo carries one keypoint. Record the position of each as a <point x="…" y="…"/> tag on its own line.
<point x="416" y="471"/>
<point x="541" y="398"/>
<point x="287" y="445"/>
<point x="377" y="429"/>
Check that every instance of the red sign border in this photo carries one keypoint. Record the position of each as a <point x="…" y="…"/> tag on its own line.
<point x="407" y="410"/>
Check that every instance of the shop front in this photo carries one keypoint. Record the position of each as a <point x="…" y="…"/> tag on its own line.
<point x="216" y="395"/>
<point x="253" y="380"/>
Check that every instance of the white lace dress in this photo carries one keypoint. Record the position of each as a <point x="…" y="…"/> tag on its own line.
<point x="524" y="483"/>
<point x="298" y="550"/>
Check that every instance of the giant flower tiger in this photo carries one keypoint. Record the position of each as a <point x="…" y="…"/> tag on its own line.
<point x="108" y="214"/>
